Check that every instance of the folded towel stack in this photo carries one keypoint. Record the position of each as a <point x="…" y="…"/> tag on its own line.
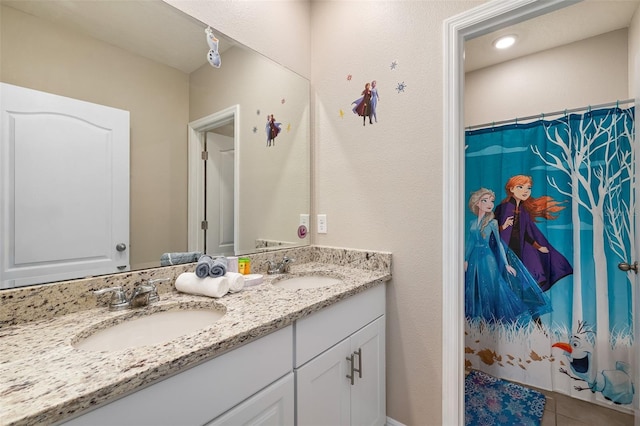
<point x="189" y="282"/>
<point x="211" y="267"/>
<point x="168" y="259"/>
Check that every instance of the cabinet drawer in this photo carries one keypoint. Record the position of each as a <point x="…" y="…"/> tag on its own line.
<point x="201" y="393"/>
<point x="271" y="406"/>
<point x="323" y="329"/>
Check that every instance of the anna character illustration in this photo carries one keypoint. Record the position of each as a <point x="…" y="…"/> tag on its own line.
<point x="272" y="129"/>
<point x="517" y="215"/>
<point x="497" y="285"/>
<point x="363" y="104"/>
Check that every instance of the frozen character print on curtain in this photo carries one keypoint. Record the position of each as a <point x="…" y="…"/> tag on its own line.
<point x="490" y="274"/>
<point x="615" y="385"/>
<point x="363" y="104"/>
<point x="273" y="129"/>
<point x="517" y="215"/>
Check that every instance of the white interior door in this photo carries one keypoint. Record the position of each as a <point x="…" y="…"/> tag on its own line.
<point x="219" y="191"/>
<point x="65" y="188"/>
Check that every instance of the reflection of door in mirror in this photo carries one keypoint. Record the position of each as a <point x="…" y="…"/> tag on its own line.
<point x="219" y="190"/>
<point x="65" y="197"/>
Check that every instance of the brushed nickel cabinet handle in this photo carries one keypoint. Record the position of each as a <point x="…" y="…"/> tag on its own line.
<point x="351" y="376"/>
<point x="359" y="369"/>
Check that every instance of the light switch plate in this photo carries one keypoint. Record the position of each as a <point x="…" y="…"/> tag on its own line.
<point x="322" y="224"/>
<point x="304" y="220"/>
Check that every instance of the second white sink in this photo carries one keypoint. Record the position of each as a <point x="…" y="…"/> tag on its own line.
<point x="152" y="329"/>
<point x="306" y="282"/>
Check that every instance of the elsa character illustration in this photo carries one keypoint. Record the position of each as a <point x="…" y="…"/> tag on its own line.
<point x="490" y="277"/>
<point x="374" y="101"/>
<point x="517" y="215"/>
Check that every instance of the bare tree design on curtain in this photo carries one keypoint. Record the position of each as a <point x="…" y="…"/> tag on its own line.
<point x="599" y="162"/>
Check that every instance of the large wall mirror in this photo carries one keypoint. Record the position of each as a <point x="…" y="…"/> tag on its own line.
<point x="150" y="59"/>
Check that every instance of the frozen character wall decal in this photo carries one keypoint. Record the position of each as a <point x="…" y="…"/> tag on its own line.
<point x="366" y="104"/>
<point x="517" y="215"/>
<point x="498" y="287"/>
<point x="615" y="385"/>
<point x="273" y="129"/>
<point x="374" y="101"/>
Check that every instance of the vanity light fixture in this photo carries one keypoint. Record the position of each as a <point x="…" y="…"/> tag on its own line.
<point x="505" y="41"/>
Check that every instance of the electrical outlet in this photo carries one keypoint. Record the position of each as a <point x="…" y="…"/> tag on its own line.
<point x="322" y="224"/>
<point x="304" y="220"/>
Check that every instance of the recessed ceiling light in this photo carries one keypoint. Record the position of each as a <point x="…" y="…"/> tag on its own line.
<point x="504" y="42"/>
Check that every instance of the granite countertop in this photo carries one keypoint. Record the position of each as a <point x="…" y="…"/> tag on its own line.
<point x="45" y="379"/>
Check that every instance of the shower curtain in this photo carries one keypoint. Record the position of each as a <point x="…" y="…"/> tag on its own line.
<point x="550" y="217"/>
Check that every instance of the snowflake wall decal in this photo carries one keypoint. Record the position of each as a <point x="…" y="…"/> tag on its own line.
<point x="349" y="77"/>
<point x="394" y="65"/>
<point x="401" y="87"/>
<point x="255" y="129"/>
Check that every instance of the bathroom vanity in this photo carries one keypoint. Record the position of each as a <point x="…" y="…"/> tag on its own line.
<point x="273" y="348"/>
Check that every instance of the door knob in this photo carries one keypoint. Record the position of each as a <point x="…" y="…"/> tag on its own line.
<point x="627" y="267"/>
<point x="121" y="247"/>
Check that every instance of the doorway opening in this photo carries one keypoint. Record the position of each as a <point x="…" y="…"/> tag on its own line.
<point x="213" y="182"/>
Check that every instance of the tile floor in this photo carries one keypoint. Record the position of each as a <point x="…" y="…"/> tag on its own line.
<point x="562" y="410"/>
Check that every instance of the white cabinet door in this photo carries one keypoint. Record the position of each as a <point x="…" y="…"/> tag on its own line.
<point x="325" y="394"/>
<point x="273" y="406"/>
<point x="368" y="394"/>
<point x="64" y="206"/>
<point x="323" y="388"/>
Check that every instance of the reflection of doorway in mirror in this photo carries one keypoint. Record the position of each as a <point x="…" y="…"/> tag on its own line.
<point x="219" y="190"/>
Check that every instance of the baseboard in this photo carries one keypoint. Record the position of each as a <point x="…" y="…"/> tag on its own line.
<point x="391" y="422"/>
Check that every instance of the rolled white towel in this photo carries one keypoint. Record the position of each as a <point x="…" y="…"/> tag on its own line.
<point x="236" y="281"/>
<point x="188" y="282"/>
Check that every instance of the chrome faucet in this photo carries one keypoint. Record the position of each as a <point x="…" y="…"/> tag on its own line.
<point x="142" y="295"/>
<point x="281" y="267"/>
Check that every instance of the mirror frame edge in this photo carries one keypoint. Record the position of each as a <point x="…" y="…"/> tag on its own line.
<point x="474" y="22"/>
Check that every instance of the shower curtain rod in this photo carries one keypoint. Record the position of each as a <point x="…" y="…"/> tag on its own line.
<point x="551" y="114"/>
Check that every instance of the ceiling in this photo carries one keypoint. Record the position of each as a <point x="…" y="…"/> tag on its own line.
<point x="580" y="21"/>
<point x="157" y="31"/>
<point x="152" y="29"/>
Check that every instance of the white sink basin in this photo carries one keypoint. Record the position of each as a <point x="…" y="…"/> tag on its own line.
<point x="306" y="282"/>
<point x="152" y="329"/>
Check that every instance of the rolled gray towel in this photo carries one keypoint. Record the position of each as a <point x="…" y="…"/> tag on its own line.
<point x="219" y="267"/>
<point x="168" y="259"/>
<point x="203" y="268"/>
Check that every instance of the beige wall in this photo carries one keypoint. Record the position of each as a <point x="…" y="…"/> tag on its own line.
<point x="634" y="55"/>
<point x="41" y="56"/>
<point x="571" y="76"/>
<point x="381" y="185"/>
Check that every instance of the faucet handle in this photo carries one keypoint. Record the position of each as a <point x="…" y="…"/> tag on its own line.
<point x="118" y="299"/>
<point x="154" y="297"/>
